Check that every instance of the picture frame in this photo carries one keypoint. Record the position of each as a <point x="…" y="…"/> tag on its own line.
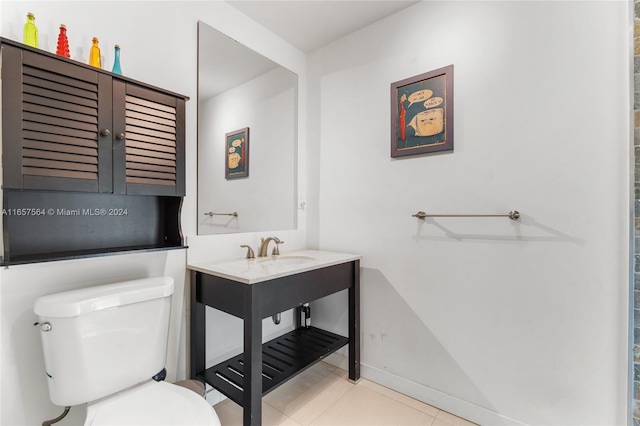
<point x="237" y="154"/>
<point x="422" y="113"/>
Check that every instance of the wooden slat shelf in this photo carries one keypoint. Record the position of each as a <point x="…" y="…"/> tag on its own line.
<point x="282" y="358"/>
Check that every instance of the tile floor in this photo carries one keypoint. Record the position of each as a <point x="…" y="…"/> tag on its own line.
<point x="323" y="395"/>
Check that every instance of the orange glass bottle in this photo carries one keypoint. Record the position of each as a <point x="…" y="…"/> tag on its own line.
<point x="94" y="54"/>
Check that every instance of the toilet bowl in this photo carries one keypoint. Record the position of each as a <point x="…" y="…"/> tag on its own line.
<point x="152" y="403"/>
<point x="101" y="347"/>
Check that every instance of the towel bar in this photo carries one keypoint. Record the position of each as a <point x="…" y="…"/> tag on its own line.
<point x="513" y="215"/>
<point x="234" y="214"/>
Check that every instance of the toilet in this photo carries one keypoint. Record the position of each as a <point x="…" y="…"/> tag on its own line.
<point x="102" y="346"/>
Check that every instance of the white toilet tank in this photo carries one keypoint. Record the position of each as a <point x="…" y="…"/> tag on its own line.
<point x="100" y="340"/>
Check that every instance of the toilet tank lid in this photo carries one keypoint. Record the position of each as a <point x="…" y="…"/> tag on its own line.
<point x="86" y="300"/>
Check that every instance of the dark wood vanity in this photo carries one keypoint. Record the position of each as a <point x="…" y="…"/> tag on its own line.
<point x="260" y="368"/>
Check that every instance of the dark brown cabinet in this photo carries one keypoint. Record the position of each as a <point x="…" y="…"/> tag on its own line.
<point x="74" y="129"/>
<point x="148" y="152"/>
<point x="52" y="114"/>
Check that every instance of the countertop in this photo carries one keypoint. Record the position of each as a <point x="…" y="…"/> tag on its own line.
<point x="251" y="271"/>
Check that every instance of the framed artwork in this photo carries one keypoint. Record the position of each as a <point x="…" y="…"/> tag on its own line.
<point x="422" y="113"/>
<point x="237" y="154"/>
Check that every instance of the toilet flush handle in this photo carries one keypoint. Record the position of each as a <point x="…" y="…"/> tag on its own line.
<point x="44" y="326"/>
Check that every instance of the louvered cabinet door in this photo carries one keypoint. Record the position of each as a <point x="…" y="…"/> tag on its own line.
<point x="149" y="141"/>
<point x="56" y="124"/>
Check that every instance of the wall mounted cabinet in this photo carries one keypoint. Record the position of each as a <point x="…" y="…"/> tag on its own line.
<point x="76" y="128"/>
<point x="69" y="127"/>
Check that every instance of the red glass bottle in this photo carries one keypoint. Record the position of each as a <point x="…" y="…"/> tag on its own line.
<point x="63" y="43"/>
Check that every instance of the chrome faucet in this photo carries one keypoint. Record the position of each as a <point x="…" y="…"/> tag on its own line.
<point x="264" y="246"/>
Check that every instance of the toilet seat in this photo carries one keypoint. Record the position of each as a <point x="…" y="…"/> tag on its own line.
<point x="152" y="403"/>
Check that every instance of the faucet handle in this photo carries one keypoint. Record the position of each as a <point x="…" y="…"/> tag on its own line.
<point x="276" y="250"/>
<point x="250" y="253"/>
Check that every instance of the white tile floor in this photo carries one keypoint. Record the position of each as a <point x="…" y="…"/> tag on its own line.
<point x="323" y="395"/>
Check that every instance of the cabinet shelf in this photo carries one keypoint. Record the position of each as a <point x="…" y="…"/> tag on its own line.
<point x="81" y="254"/>
<point x="52" y="225"/>
<point x="282" y="358"/>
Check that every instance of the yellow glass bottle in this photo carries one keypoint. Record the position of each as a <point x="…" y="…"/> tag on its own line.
<point x="94" y="54"/>
<point x="30" y="31"/>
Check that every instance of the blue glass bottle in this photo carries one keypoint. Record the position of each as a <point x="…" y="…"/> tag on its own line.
<point x="116" y="62"/>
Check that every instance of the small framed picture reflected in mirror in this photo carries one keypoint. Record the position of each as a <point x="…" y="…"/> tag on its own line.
<point x="237" y="154"/>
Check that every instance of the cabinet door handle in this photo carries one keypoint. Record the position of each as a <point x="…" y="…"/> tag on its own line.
<point x="120" y="136"/>
<point x="105" y="132"/>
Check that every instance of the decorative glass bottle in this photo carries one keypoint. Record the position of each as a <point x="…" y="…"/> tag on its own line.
<point x="31" y="31"/>
<point x="116" y="61"/>
<point x="94" y="54"/>
<point x="63" y="43"/>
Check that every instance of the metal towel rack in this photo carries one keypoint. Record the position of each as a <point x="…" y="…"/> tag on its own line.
<point x="234" y="214"/>
<point x="513" y="215"/>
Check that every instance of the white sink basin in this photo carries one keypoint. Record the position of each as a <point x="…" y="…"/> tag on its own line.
<point x="251" y="271"/>
<point x="280" y="260"/>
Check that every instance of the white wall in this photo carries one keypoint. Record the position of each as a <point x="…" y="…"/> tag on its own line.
<point x="498" y="321"/>
<point x="159" y="48"/>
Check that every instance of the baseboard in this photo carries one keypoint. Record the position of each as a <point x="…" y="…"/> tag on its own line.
<point x="443" y="401"/>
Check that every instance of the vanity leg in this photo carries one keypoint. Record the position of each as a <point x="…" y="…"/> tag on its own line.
<point x="252" y="358"/>
<point x="354" y="324"/>
<point x="197" y="334"/>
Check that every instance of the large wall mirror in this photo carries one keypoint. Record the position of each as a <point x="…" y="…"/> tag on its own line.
<point x="247" y="138"/>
